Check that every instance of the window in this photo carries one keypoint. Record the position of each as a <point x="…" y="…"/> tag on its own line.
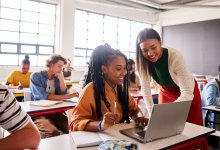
<point x="26" y="27"/>
<point x="92" y="29"/>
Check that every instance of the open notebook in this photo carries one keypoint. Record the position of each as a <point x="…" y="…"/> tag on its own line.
<point x="74" y="100"/>
<point x="85" y="138"/>
<point x="45" y="103"/>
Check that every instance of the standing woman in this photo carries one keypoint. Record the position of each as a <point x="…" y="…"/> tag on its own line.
<point x="176" y="83"/>
<point x="21" y="78"/>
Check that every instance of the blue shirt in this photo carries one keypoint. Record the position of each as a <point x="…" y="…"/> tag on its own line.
<point x="209" y="94"/>
<point x="38" y="85"/>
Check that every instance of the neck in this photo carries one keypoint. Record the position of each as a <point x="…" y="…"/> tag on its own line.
<point x="110" y="84"/>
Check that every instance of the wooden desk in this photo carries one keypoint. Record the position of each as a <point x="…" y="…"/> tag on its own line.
<point x="190" y="132"/>
<point x="211" y="109"/>
<point x="37" y="110"/>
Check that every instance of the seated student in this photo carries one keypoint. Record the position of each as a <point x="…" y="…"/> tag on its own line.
<point x="67" y="70"/>
<point x="134" y="82"/>
<point x="209" y="94"/>
<point x="95" y="110"/>
<point x="24" y="134"/>
<point x="20" y="79"/>
<point x="49" y="84"/>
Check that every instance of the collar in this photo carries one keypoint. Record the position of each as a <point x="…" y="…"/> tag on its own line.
<point x="109" y="88"/>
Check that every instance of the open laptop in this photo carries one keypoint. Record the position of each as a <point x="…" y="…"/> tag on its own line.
<point x="166" y="120"/>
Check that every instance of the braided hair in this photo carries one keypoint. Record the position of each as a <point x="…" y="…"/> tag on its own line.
<point x="102" y="55"/>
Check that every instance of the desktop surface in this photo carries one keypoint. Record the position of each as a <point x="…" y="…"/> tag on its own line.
<point x="190" y="132"/>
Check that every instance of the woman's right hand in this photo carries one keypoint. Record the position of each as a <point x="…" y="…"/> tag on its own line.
<point x="75" y="94"/>
<point x="108" y="120"/>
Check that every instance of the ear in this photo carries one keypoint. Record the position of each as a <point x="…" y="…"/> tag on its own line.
<point x="104" y="69"/>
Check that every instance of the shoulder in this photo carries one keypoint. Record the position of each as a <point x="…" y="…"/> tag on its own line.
<point x="38" y="74"/>
<point x="13" y="73"/>
<point x="88" y="88"/>
<point x="3" y="87"/>
<point x="174" y="53"/>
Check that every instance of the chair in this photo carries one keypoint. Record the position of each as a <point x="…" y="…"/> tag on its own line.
<point x="27" y="96"/>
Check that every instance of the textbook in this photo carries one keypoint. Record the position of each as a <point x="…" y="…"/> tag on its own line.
<point x="86" y="138"/>
<point x="45" y="103"/>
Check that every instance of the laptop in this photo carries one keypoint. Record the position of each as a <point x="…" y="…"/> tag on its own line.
<point x="166" y="120"/>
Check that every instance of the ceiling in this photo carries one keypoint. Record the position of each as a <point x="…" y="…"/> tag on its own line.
<point x="161" y="5"/>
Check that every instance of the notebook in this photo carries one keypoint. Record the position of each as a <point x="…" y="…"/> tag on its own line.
<point x="73" y="100"/>
<point x="45" y="103"/>
<point x="86" y="138"/>
<point x="166" y="120"/>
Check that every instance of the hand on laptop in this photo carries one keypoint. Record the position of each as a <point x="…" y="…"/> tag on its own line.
<point x="141" y="121"/>
<point x="108" y="120"/>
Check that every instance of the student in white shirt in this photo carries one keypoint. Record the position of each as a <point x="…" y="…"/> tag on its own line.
<point x="24" y="134"/>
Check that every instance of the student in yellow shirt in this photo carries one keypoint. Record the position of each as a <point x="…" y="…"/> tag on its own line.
<point x="20" y="79"/>
<point x="104" y="101"/>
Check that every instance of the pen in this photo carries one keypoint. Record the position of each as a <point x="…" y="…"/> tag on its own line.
<point x="115" y="106"/>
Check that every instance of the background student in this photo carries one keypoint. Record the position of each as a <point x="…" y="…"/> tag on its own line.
<point x="96" y="109"/>
<point x="49" y="84"/>
<point x="67" y="70"/>
<point x="134" y="82"/>
<point x="167" y="67"/>
<point x="24" y="134"/>
<point x="210" y="93"/>
<point x="20" y="79"/>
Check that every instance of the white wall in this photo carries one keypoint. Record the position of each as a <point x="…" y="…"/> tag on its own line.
<point x="187" y="15"/>
<point x="65" y="26"/>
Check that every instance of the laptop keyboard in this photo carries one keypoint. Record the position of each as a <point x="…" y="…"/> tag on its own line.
<point x="141" y="134"/>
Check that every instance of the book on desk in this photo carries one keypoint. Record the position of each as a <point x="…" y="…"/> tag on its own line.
<point x="45" y="103"/>
<point x="73" y="100"/>
<point x="86" y="138"/>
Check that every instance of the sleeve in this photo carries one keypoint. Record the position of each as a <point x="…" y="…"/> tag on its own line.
<point x="83" y="112"/>
<point x="12" y="118"/>
<point x="10" y="79"/>
<point x="133" y="106"/>
<point x="209" y="95"/>
<point x="183" y="77"/>
<point x="38" y="92"/>
<point x="146" y="91"/>
<point x="138" y="80"/>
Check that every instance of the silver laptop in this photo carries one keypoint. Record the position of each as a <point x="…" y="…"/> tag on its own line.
<point x="166" y="120"/>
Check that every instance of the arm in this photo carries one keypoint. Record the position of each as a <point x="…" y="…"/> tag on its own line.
<point x="61" y="97"/>
<point x="62" y="83"/>
<point x="181" y="75"/>
<point x="10" y="79"/>
<point x="209" y="95"/>
<point x="135" y="113"/>
<point x="26" y="138"/>
<point x="146" y="91"/>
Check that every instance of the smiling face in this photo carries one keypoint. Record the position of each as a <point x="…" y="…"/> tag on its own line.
<point x="115" y="71"/>
<point x="151" y="49"/>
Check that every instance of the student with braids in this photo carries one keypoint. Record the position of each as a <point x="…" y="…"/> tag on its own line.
<point x="95" y="109"/>
<point x="20" y="79"/>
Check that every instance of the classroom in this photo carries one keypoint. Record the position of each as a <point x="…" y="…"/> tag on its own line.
<point x="73" y="70"/>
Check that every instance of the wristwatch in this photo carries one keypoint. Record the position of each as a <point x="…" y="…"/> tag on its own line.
<point x="100" y="126"/>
